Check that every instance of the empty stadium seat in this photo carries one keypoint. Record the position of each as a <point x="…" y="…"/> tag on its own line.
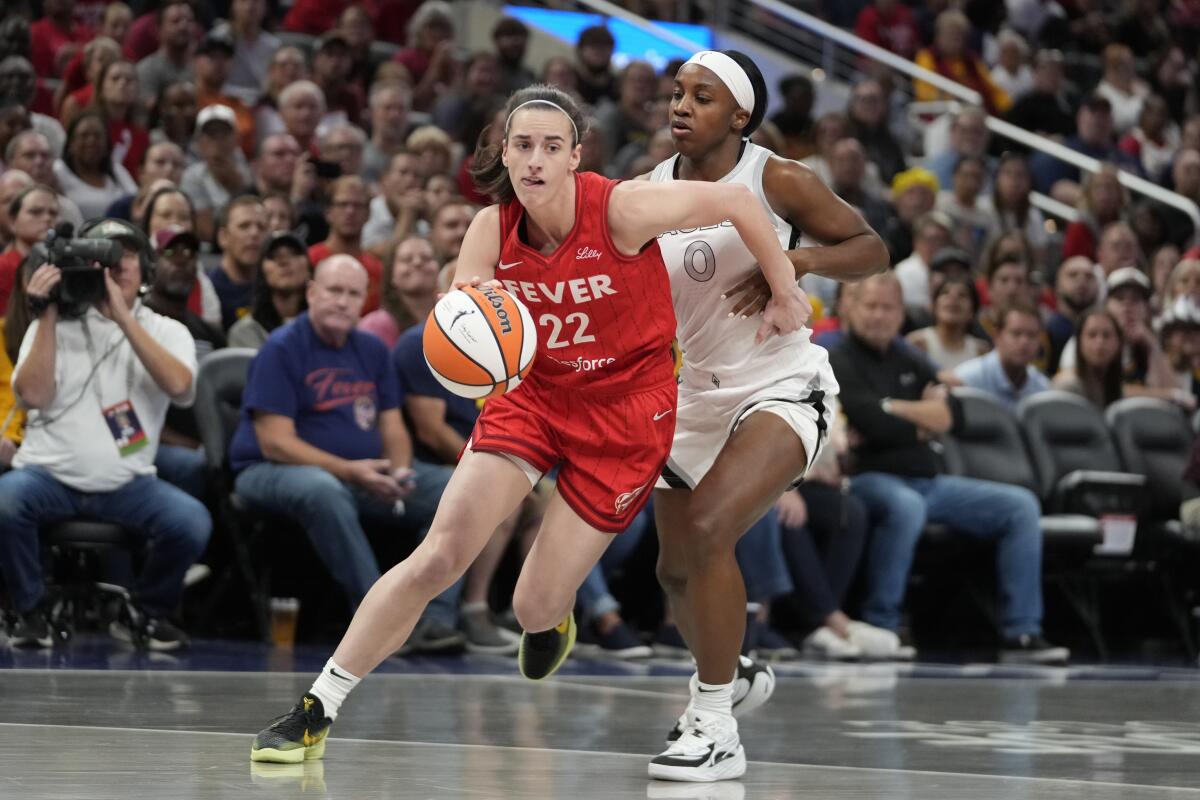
<point x="1073" y="454"/>
<point x="220" y="381"/>
<point x="1153" y="439"/>
<point x="990" y="447"/>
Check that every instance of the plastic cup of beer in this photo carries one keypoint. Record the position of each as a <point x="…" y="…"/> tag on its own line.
<point x="284" y="613"/>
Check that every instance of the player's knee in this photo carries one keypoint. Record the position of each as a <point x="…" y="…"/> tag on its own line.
<point x="437" y="565"/>
<point x="671" y="576"/>
<point x="710" y="536"/>
<point x="537" y="610"/>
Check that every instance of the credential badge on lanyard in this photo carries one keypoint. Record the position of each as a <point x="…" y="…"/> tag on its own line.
<point x="123" y="423"/>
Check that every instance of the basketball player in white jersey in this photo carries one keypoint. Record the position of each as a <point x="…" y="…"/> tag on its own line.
<point x="752" y="416"/>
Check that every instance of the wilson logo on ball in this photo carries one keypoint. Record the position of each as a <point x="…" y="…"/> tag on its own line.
<point x="497" y="300"/>
<point x="480" y="342"/>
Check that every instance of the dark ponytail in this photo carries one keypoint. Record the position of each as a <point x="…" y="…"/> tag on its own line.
<point x="761" y="98"/>
<point x="488" y="170"/>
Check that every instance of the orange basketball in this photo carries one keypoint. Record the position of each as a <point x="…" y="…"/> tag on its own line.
<point x="480" y="342"/>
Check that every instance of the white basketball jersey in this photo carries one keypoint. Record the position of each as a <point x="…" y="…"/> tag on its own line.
<point x="703" y="263"/>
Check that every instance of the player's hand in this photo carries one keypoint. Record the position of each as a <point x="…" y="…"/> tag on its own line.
<point x="474" y="283"/>
<point x="374" y="475"/>
<point x="750" y="296"/>
<point x="793" y="511"/>
<point x="786" y="313"/>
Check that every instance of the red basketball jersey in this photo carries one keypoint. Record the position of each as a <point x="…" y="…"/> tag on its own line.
<point x="605" y="321"/>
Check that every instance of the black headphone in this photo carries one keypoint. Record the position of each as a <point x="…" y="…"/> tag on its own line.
<point x="123" y="230"/>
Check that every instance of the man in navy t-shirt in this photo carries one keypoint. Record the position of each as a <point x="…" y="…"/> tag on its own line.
<point x="322" y="441"/>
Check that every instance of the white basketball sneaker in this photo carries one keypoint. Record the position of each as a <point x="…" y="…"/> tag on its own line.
<point x="708" y="750"/>
<point x="753" y="686"/>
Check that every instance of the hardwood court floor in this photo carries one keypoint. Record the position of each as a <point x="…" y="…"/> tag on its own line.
<point x="471" y="728"/>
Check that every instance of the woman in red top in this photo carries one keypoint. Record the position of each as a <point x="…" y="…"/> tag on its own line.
<point x="116" y="101"/>
<point x="98" y="54"/>
<point x="581" y="251"/>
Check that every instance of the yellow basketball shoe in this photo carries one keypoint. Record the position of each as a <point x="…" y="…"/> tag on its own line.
<point x="543" y="653"/>
<point x="297" y="736"/>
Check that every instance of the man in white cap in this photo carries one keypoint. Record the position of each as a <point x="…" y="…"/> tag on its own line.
<point x="222" y="173"/>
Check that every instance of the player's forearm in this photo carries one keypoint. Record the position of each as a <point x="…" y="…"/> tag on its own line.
<point x="855" y="259"/>
<point x="35" y="384"/>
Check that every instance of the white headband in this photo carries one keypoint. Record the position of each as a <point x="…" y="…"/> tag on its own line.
<point x="550" y="103"/>
<point x="730" y="73"/>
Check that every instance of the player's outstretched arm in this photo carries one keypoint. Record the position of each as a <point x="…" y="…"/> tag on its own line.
<point x="852" y="251"/>
<point x="480" y="249"/>
<point x="639" y="211"/>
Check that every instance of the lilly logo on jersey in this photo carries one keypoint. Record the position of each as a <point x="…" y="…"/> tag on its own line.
<point x="584" y="253"/>
<point x="624" y="501"/>
<point x="498" y="305"/>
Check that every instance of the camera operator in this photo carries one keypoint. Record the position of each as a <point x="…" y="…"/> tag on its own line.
<point x="98" y="369"/>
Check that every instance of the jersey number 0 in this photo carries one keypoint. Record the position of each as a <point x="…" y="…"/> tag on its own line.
<point x="704" y="271"/>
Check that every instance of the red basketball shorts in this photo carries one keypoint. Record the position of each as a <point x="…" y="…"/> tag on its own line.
<point x="610" y="449"/>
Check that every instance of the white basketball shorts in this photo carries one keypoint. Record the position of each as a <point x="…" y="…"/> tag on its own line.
<point x="708" y="417"/>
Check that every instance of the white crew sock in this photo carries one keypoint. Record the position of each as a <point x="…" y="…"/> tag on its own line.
<point x="714" y="698"/>
<point x="332" y="686"/>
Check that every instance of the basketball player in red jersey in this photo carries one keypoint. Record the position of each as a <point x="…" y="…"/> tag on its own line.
<point x="580" y="251"/>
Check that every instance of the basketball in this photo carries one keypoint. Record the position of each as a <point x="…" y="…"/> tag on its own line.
<point x="480" y="342"/>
